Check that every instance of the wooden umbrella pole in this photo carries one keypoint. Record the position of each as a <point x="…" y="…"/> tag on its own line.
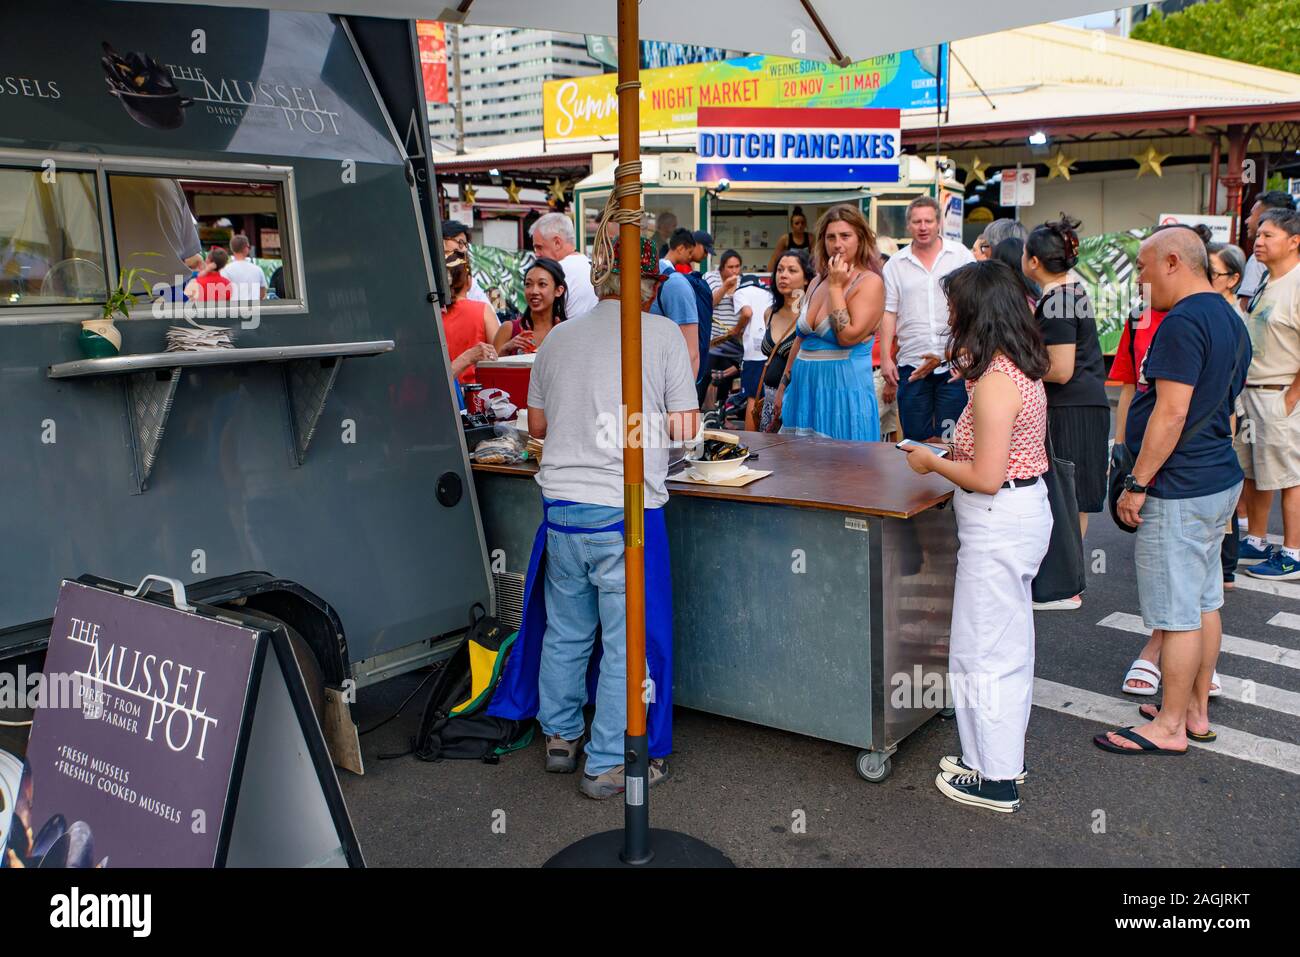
<point x="636" y="846"/>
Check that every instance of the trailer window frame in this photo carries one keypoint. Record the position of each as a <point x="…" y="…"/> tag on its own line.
<point x="103" y="166"/>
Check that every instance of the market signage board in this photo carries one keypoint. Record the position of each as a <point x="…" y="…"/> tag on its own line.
<point x="173" y="738"/>
<point x="1220" y="226"/>
<point x="672" y="96"/>
<point x="769" y="145"/>
<point x="1018" y="187"/>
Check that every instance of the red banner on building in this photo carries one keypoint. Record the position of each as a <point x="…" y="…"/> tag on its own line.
<point x="431" y="36"/>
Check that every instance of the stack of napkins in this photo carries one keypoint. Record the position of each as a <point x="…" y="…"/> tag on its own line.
<point x="198" y="338"/>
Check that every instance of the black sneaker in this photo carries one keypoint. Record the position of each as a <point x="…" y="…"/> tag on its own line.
<point x="955" y="765"/>
<point x="972" y="789"/>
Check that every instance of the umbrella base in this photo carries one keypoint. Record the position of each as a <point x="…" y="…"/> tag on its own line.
<point x="669" y="849"/>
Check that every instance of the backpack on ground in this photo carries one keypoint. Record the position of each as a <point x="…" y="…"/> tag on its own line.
<point x="455" y="723"/>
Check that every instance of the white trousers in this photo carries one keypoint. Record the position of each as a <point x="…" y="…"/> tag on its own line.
<point x="1003" y="539"/>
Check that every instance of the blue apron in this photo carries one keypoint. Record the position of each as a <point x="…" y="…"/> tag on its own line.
<point x="517" y="695"/>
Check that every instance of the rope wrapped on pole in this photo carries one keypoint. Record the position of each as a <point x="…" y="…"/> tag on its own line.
<point x="602" y="253"/>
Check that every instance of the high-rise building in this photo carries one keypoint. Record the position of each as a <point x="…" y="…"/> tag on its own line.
<point x="502" y="71"/>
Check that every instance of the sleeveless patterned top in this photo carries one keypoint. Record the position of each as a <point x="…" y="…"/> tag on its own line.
<point x="1029" y="433"/>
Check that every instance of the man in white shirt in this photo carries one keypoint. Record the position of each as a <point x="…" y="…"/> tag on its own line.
<point x="916" y="311"/>
<point x="1253" y="276"/>
<point x="248" y="282"/>
<point x="554" y="238"/>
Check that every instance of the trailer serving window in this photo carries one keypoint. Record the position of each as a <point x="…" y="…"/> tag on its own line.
<point x="72" y="223"/>
<point x="51" y="246"/>
<point x="165" y="226"/>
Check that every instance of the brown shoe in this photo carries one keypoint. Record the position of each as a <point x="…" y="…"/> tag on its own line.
<point x="562" y="754"/>
<point x="606" y="785"/>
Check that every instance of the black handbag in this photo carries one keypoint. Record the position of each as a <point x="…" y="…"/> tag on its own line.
<point x="1061" y="574"/>
<point x="1122" y="460"/>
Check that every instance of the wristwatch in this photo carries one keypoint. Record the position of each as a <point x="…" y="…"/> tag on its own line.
<point x="1131" y="485"/>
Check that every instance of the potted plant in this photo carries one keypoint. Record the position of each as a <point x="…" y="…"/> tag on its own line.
<point x="100" y="338"/>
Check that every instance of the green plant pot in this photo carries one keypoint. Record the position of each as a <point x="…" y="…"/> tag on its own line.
<point x="95" y="346"/>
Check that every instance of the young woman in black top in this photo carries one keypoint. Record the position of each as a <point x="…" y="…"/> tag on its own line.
<point x="1078" y="412"/>
<point x="790" y="280"/>
<point x="796" y="238"/>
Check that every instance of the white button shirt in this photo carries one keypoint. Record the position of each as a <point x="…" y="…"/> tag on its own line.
<point x="913" y="293"/>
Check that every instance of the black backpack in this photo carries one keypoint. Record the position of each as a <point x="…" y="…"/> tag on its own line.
<point x="455" y="723"/>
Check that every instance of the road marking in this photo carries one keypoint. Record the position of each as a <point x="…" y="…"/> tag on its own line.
<point x="1232" y="645"/>
<point x="1284" y="619"/>
<point x="1281" y="589"/>
<point x="1118" y="713"/>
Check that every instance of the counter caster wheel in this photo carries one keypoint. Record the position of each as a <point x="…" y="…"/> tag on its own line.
<point x="873" y="766"/>
<point x="948" y="714"/>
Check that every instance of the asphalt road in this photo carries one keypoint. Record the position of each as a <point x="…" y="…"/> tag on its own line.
<point x="741" y="787"/>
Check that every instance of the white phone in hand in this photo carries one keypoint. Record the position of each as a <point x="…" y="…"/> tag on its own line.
<point x="938" y="450"/>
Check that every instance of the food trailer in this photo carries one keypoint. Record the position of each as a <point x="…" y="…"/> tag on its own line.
<point x="750" y="220"/>
<point x="317" y="471"/>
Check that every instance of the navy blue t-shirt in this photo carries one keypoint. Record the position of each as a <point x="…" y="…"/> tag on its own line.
<point x="1202" y="342"/>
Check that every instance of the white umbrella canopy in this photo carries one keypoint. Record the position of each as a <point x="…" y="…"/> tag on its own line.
<point x="835" y="30"/>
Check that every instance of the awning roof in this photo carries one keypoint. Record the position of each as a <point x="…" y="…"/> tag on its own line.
<point x="813" y="29"/>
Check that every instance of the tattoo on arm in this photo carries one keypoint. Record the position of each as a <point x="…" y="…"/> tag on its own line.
<point x="839" y="319"/>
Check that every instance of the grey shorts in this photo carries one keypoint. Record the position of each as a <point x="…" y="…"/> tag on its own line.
<point x="1179" y="575"/>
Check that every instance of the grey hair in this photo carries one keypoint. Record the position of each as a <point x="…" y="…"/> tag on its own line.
<point x="1233" y="259"/>
<point x="1001" y="229"/>
<point x="611" y="287"/>
<point x="1287" y="220"/>
<point x="554" y="224"/>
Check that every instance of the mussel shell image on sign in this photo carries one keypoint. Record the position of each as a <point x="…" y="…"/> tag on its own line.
<point x="144" y="88"/>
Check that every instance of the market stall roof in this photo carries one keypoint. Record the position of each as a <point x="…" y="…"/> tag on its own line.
<point x="919" y="172"/>
<point x="1067" y="81"/>
<point x="834" y="30"/>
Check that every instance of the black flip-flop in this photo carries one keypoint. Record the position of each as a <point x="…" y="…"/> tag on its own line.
<point x="1205" y="738"/>
<point x="1144" y="747"/>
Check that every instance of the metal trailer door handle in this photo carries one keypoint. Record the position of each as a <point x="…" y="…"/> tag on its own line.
<point x="178" y="590"/>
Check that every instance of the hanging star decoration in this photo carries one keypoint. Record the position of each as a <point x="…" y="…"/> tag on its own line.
<point x="1059" y="165"/>
<point x="1150" y="161"/>
<point x="512" y="190"/>
<point x="556" y="192"/>
<point x="469" y="195"/>
<point x="977" y="169"/>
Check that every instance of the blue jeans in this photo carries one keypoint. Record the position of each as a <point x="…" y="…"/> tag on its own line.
<point x="1179" y="575"/>
<point x="929" y="406"/>
<point x="585" y="587"/>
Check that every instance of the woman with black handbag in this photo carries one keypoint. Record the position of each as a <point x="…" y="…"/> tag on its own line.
<point x="1004" y="523"/>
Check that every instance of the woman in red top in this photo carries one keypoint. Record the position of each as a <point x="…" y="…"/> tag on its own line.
<point x="1003" y="526"/>
<point x="467" y="323"/>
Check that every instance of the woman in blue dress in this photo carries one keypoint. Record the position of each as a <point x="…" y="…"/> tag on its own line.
<point x="828" y="389"/>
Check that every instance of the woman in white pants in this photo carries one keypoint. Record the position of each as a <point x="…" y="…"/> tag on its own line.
<point x="1003" y="526"/>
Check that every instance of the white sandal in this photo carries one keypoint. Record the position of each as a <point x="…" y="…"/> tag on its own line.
<point x="1214" y="680"/>
<point x="1143" y="670"/>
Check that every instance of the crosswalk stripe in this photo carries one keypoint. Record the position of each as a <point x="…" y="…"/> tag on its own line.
<point x="1262" y="696"/>
<point x="1118" y="713"/>
<point x="1284" y="619"/>
<point x="1232" y="645"/>
<point x="1281" y="589"/>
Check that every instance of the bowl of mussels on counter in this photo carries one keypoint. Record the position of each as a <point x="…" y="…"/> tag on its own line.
<point x="720" y="457"/>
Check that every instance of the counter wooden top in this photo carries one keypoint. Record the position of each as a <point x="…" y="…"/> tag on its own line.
<point x="865" y="478"/>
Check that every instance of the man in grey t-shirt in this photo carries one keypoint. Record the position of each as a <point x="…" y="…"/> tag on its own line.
<point x="574" y="403"/>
